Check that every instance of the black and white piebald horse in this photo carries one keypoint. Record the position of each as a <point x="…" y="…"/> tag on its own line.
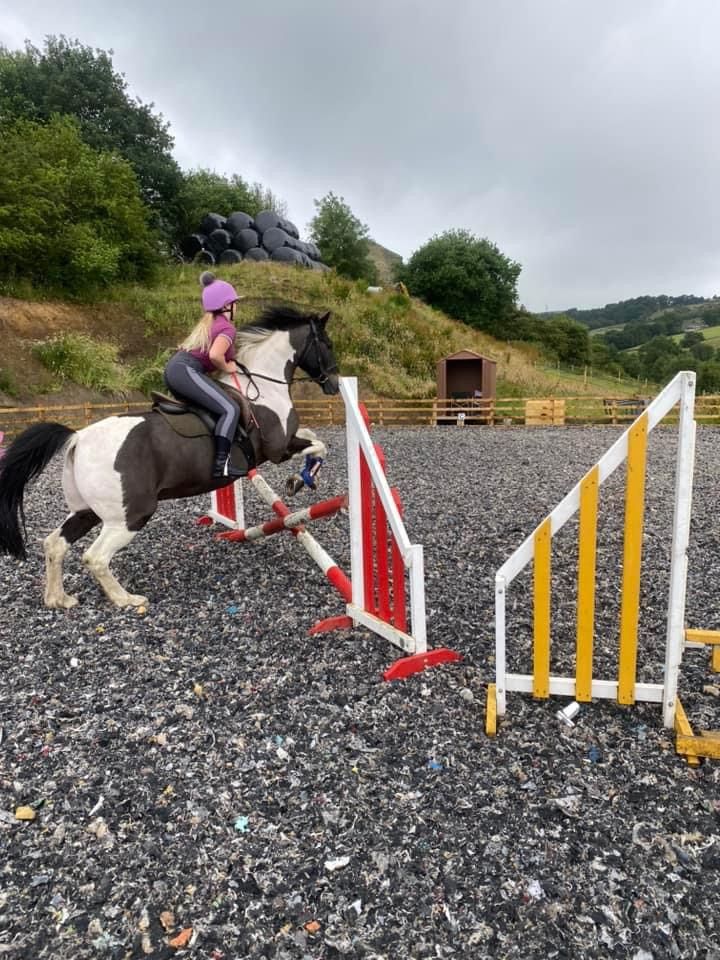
<point x="118" y="469"/>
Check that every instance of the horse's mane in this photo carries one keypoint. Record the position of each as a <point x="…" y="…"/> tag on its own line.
<point x="270" y="320"/>
<point x="280" y="318"/>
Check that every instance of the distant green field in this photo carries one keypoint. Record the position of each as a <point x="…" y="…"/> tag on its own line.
<point x="600" y="330"/>
<point x="599" y="386"/>
<point x="711" y="334"/>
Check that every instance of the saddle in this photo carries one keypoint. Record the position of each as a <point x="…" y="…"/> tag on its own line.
<point x="191" y="421"/>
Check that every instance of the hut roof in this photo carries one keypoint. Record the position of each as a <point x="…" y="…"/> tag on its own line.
<point x="467" y="355"/>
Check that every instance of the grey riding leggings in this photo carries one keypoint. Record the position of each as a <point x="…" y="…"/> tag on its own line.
<point x="185" y="376"/>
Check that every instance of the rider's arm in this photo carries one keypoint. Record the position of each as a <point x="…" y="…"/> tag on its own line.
<point x="217" y="354"/>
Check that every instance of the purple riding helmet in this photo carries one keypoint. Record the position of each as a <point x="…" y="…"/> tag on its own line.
<point x="216" y="294"/>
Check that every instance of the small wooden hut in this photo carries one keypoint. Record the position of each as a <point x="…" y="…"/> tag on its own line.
<point x="466" y="386"/>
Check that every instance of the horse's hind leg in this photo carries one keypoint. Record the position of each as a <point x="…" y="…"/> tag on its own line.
<point x="56" y="546"/>
<point x="112" y="537"/>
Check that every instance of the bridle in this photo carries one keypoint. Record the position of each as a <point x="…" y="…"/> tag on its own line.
<point x="325" y="372"/>
<point x="312" y="340"/>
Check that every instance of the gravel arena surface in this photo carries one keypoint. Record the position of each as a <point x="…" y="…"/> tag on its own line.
<point x="210" y="782"/>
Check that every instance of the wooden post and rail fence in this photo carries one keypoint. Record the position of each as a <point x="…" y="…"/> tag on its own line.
<point x="329" y="411"/>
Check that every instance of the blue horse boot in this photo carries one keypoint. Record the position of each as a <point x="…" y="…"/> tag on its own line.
<point x="310" y="471"/>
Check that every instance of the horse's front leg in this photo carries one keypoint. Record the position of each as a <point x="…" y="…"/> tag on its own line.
<point x="97" y="557"/>
<point x="305" y="442"/>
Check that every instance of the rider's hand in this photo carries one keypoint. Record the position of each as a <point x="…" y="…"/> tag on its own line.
<point x="231" y="367"/>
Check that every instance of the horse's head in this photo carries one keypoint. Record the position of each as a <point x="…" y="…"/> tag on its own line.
<point x="305" y="345"/>
<point x="316" y="356"/>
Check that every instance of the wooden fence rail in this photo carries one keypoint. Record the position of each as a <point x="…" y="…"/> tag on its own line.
<point x="328" y="411"/>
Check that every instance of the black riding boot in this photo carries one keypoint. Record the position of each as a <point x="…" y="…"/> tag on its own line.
<point x="222" y="466"/>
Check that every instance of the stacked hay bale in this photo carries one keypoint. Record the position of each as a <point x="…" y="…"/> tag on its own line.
<point x="267" y="236"/>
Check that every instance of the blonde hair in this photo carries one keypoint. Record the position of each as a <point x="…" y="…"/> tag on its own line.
<point x="199" y="336"/>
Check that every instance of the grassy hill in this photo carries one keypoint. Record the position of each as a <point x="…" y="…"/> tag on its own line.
<point x="640" y="309"/>
<point x="599" y="331"/>
<point x="390" y="341"/>
<point x="692" y="316"/>
<point x="710" y="334"/>
<point x="385" y="260"/>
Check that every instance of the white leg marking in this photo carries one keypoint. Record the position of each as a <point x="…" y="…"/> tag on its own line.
<point x="317" y="447"/>
<point x="56" y="546"/>
<point x="92" y="482"/>
<point x="112" y="537"/>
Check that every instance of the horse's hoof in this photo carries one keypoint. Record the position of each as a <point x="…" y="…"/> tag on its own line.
<point x="294" y="485"/>
<point x="129" y="600"/>
<point x="135" y="600"/>
<point x="65" y="602"/>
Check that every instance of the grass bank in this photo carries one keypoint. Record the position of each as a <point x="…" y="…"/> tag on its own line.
<point x="390" y="341"/>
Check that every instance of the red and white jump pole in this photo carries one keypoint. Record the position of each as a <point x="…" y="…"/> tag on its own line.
<point x="294" y="523"/>
<point x="285" y="521"/>
<point x="381" y="554"/>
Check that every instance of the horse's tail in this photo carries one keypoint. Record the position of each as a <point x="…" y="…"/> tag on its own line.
<point x="25" y="458"/>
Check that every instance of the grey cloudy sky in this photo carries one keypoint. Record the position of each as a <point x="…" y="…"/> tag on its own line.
<point x="582" y="138"/>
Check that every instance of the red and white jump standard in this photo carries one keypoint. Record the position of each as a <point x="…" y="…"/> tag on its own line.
<point x="382" y="558"/>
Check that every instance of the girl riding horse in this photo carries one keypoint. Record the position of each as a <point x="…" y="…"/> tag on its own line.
<point x="210" y="347"/>
<point x="118" y="469"/>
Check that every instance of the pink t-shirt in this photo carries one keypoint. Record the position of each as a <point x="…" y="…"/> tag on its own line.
<point x="220" y="325"/>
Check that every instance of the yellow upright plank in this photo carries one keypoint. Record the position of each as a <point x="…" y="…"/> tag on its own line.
<point x="491" y="711"/>
<point x="587" y="551"/>
<point x="632" y="556"/>
<point x="684" y="737"/>
<point x="541" y="611"/>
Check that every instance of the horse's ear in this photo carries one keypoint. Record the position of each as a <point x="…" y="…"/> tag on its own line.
<point x="323" y="318"/>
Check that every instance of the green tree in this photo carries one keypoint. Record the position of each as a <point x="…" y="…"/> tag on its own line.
<point x="629" y="362"/>
<point x="468" y="278"/>
<point x="702" y="351"/>
<point x="709" y="377"/>
<point x="711" y="316"/>
<point x="603" y="354"/>
<point x="521" y="325"/>
<point x="69" y="78"/>
<point x="691" y="338"/>
<point x="70" y="216"/>
<point x="342" y="239"/>
<point x="204" y="191"/>
<point x="661" y="358"/>
<point x="564" y="338"/>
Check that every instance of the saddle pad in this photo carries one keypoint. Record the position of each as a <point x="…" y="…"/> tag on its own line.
<point x="185" y="424"/>
<point x="190" y="426"/>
